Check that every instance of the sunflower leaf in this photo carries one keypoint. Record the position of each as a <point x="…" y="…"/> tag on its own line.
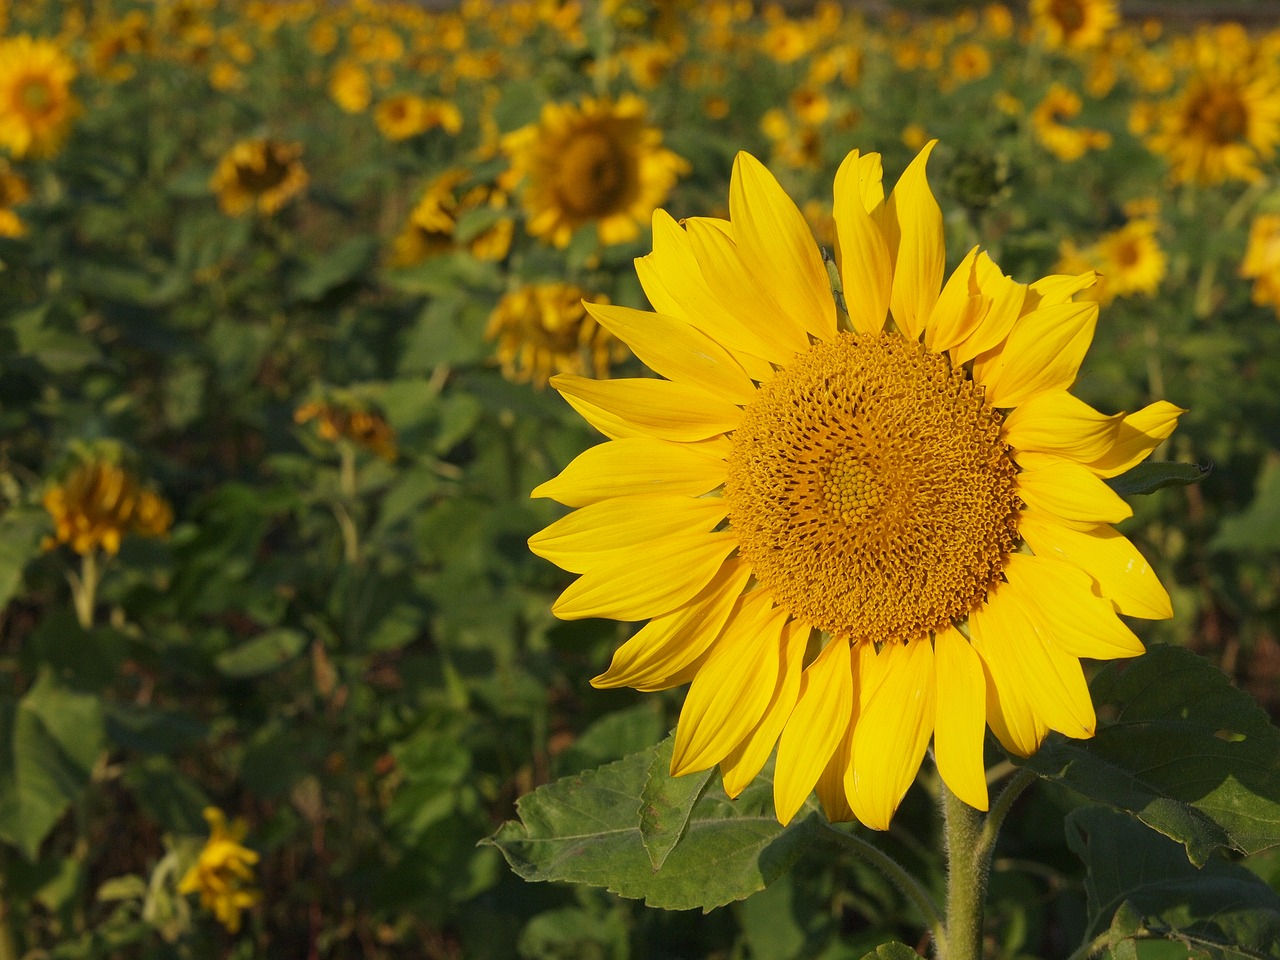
<point x="587" y="829"/>
<point x="1150" y="477"/>
<point x="1153" y="892"/>
<point x="666" y="803"/>
<point x="1187" y="753"/>
<point x="892" y="951"/>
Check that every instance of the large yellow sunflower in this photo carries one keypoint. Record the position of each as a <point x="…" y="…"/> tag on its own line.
<point x="853" y="523"/>
<point x="36" y="104"/>
<point x="598" y="162"/>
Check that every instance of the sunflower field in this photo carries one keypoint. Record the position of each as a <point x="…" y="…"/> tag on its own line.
<point x="411" y="414"/>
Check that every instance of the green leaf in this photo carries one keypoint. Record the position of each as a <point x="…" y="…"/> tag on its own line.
<point x="892" y="951"/>
<point x="340" y="265"/>
<point x="1258" y="527"/>
<point x="1151" y="891"/>
<point x="1150" y="477"/>
<point x="262" y="654"/>
<point x="1187" y="754"/>
<point x="586" y="829"/>
<point x="58" y="351"/>
<point x="20" y="534"/>
<point x="666" y="803"/>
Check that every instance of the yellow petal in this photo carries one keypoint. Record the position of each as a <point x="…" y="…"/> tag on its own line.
<point x="1084" y="623"/>
<point x="892" y="732"/>
<point x="1058" y="289"/>
<point x="1070" y="492"/>
<point x="1043" y="352"/>
<point x="776" y="245"/>
<point x="1118" y="569"/>
<point x="732" y="690"/>
<point x="830" y="786"/>
<point x="1007" y="298"/>
<point x="815" y="728"/>
<point x="594" y="534"/>
<point x="1009" y="712"/>
<point x="914" y="235"/>
<point x="861" y="254"/>
<point x="961" y="719"/>
<point x="638" y="465"/>
<point x="740" y="767"/>
<point x="1017" y="643"/>
<point x="961" y="307"/>
<point x="648" y="408"/>
<point x="676" y="350"/>
<point x="641" y="584"/>
<point x="1138" y="435"/>
<point x="661" y="650"/>
<point x="1058" y="423"/>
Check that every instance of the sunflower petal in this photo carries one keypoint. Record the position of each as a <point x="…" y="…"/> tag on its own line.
<point x="961" y="307"/>
<point x="1007" y="297"/>
<point x="1057" y="289"/>
<point x="861" y="254"/>
<point x="1139" y="434"/>
<point x="639" y="584"/>
<point x="1043" y="352"/>
<point x="733" y="689"/>
<point x="775" y="242"/>
<point x="961" y="721"/>
<point x="1121" y="573"/>
<point x="676" y="350"/>
<point x="830" y="786"/>
<point x="1070" y="492"/>
<point x="892" y="732"/>
<point x="1058" y="423"/>
<point x="593" y="534"/>
<point x="666" y="645"/>
<point x="637" y="466"/>
<point x="1084" y="623"/>
<point x="914" y="234"/>
<point x="815" y="728"/>
<point x="643" y="407"/>
<point x="1009" y="712"/>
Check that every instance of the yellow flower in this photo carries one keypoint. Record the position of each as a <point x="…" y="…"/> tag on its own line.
<point x="226" y="76"/>
<point x="347" y="421"/>
<point x="598" y="162"/>
<point x="648" y="63"/>
<point x="98" y="503"/>
<point x="786" y="41"/>
<point x="1262" y="260"/>
<point x="810" y="106"/>
<point x="1066" y="143"/>
<point x="914" y="136"/>
<point x="429" y="229"/>
<point x="13" y="192"/>
<point x="969" y="61"/>
<point x="36" y="105"/>
<point x="258" y="174"/>
<point x="350" y="87"/>
<point x="223" y="875"/>
<point x="856" y="524"/>
<point x="1129" y="262"/>
<point x="543" y="329"/>
<point x="1074" y="24"/>
<point x="407" y="115"/>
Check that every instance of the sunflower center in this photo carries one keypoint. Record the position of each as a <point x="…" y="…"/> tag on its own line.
<point x="1069" y="15"/>
<point x="871" y="490"/>
<point x="1219" y="117"/>
<point x="259" y="177"/>
<point x="36" y="96"/>
<point x="592" y="178"/>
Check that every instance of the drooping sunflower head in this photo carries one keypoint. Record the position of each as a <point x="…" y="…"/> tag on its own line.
<point x="223" y="873"/>
<point x="36" y="103"/>
<point x="260" y="174"/>
<point x="99" y="502"/>
<point x="346" y="419"/>
<point x="1074" y="24"/>
<point x="543" y="329"/>
<point x="854" y="522"/>
<point x="1262" y="260"/>
<point x="598" y="162"/>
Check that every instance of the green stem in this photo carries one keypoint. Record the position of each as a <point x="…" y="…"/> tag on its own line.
<point x="967" y="871"/>
<point x="898" y="876"/>
<point x="347" y="470"/>
<point x="84" y="590"/>
<point x="1000" y="809"/>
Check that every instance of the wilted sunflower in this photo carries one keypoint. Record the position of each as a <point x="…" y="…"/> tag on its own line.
<point x="36" y="105"/>
<point x="543" y="329"/>
<point x="13" y="191"/>
<point x="598" y="162"/>
<point x="1262" y="260"/>
<point x="98" y="503"/>
<point x="1074" y="24"/>
<point x="852" y="527"/>
<point x="258" y="174"/>
<point x="223" y="873"/>
<point x="340" y="421"/>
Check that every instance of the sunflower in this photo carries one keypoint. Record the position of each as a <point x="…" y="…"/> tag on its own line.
<point x="1074" y="24"/>
<point x="543" y="328"/>
<point x="98" y="503"/>
<point x="598" y="162"/>
<point x="1262" y="260"/>
<point x="406" y="115"/>
<point x="853" y="522"/>
<point x="258" y="174"/>
<point x="430" y="228"/>
<point x="1065" y="142"/>
<point x="1129" y="261"/>
<point x="223" y="873"/>
<point x="13" y="192"/>
<point x="36" y="105"/>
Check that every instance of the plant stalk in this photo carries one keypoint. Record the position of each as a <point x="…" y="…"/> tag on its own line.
<point x="968" y="863"/>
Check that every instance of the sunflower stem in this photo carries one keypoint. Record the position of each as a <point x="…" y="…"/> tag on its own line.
<point x="968" y="863"/>
<point x="84" y="589"/>
<point x="898" y="876"/>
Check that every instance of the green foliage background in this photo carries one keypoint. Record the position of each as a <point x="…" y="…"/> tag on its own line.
<point x="370" y="674"/>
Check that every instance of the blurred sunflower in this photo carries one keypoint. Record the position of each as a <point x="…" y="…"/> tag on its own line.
<point x="1129" y="261"/>
<point x="350" y="87"/>
<point x="13" y="192"/>
<point x="259" y="174"/>
<point x="853" y="531"/>
<point x="1074" y="24"/>
<point x="223" y="873"/>
<point x="36" y="105"/>
<point x="406" y="115"/>
<point x="598" y="162"/>
<point x="543" y="329"/>
<point x="431" y="227"/>
<point x="337" y="421"/>
<point x="1064" y="142"/>
<point x="98" y="503"/>
<point x="1262" y="260"/>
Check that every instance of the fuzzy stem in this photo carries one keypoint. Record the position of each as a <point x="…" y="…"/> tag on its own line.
<point x="967" y="871"/>
<point x="84" y="588"/>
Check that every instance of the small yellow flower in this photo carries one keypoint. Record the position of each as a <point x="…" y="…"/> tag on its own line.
<point x="36" y="105"/>
<point x="543" y="329"/>
<point x="364" y="428"/>
<point x="406" y="115"/>
<point x="350" y="87"/>
<point x="969" y="61"/>
<point x="1262" y="260"/>
<point x="98" y="503"/>
<point x="1064" y="142"/>
<point x="259" y="174"/>
<point x="914" y="136"/>
<point x="429" y="229"/>
<point x="1129" y="262"/>
<point x="223" y="875"/>
<point x="1074" y="24"/>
